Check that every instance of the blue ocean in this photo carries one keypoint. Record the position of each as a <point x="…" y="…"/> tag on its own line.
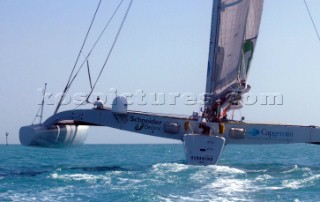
<point x="159" y="173"/>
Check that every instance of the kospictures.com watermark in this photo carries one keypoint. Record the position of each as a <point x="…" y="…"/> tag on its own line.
<point x="140" y="97"/>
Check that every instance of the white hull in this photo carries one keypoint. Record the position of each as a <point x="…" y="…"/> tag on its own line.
<point x="203" y="149"/>
<point x="55" y="136"/>
<point x="254" y="133"/>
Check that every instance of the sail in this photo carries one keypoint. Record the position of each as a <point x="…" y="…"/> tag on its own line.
<point x="234" y="31"/>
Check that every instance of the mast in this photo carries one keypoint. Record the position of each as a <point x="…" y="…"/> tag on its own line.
<point x="215" y="21"/>
<point x="42" y="103"/>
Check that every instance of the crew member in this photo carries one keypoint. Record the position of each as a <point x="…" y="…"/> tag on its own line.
<point x="98" y="104"/>
<point x="203" y="125"/>
<point x="224" y="115"/>
<point x="217" y="110"/>
<point x="224" y="118"/>
<point x="187" y="127"/>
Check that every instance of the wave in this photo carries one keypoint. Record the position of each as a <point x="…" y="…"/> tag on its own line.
<point x="296" y="168"/>
<point x="227" y="169"/>
<point x="263" y="178"/>
<point x="100" y="168"/>
<point x="295" y="184"/>
<point x="80" y="177"/>
<point x="176" y="167"/>
<point x="301" y="183"/>
<point x="232" y="186"/>
<point x="50" y="194"/>
<point x="33" y="173"/>
<point x="169" y="167"/>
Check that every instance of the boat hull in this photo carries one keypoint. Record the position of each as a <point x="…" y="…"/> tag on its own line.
<point x="203" y="149"/>
<point x="55" y="136"/>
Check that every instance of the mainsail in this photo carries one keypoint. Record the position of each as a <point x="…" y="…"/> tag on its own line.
<point x="234" y="32"/>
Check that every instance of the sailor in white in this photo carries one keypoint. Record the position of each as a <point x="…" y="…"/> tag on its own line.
<point x="98" y="104"/>
<point x="203" y="124"/>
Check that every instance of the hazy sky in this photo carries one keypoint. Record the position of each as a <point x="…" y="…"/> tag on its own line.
<point x="163" y="48"/>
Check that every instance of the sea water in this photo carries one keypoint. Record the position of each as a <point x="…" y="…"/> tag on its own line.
<point x="159" y="173"/>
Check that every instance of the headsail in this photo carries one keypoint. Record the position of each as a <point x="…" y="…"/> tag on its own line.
<point x="234" y="31"/>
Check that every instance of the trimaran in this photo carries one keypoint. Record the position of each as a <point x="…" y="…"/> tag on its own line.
<point x="234" y="31"/>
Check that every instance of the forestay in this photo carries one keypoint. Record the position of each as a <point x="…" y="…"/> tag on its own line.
<point x="234" y="31"/>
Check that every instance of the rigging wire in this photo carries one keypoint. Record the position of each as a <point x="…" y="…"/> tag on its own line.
<point x="36" y="116"/>
<point x="111" y="49"/>
<point x="314" y="25"/>
<point x="96" y="42"/>
<point x="40" y="110"/>
<point x="88" y="55"/>
<point x="89" y="74"/>
<point x="84" y="42"/>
